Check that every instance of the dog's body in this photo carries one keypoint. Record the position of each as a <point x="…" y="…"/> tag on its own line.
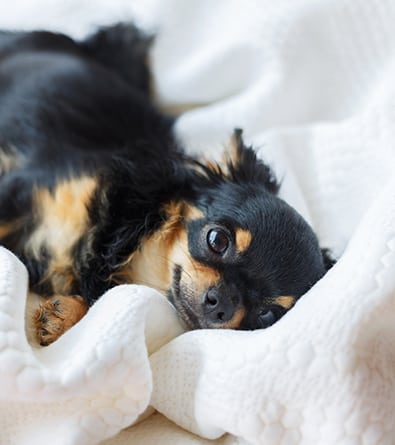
<point x="95" y="191"/>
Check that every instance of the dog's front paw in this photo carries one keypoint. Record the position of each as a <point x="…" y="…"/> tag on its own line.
<point x="54" y="317"/>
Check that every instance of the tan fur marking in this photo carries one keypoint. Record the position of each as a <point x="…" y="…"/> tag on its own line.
<point x="154" y="262"/>
<point x="235" y="321"/>
<point x="148" y="265"/>
<point x="201" y="276"/>
<point x="193" y="213"/>
<point x="216" y="167"/>
<point x="6" y="229"/>
<point x="196" y="276"/>
<point x="285" y="301"/>
<point x="175" y="214"/>
<point x="243" y="239"/>
<point x="151" y="264"/>
<point x="54" y="317"/>
<point x="177" y="211"/>
<point x="62" y="220"/>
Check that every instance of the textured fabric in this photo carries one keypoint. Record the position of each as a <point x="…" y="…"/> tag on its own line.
<point x="312" y="84"/>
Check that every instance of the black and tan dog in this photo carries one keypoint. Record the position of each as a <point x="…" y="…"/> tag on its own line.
<point x="95" y="191"/>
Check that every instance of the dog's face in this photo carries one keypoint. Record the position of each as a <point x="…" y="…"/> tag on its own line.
<point x="241" y="256"/>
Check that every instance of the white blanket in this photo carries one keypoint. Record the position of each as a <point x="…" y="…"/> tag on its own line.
<point x="312" y="82"/>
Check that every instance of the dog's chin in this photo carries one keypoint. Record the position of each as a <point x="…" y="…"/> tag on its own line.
<point x="180" y="301"/>
<point x="189" y="318"/>
<point x="185" y="312"/>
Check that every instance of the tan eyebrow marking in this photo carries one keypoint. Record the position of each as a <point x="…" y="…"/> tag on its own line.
<point x="243" y="239"/>
<point x="285" y="301"/>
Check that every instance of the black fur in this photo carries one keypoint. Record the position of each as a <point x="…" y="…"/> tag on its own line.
<point x="69" y="109"/>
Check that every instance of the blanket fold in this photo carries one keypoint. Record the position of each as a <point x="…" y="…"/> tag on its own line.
<point x="91" y="383"/>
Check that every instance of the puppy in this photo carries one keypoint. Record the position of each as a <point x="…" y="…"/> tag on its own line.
<point x="96" y="191"/>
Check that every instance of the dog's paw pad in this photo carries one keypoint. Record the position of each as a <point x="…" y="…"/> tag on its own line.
<point x="54" y="317"/>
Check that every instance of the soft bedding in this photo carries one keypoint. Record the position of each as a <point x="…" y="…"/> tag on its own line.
<point x="312" y="84"/>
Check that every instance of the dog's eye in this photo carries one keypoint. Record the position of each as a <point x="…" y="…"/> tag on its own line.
<point x="269" y="316"/>
<point x="218" y="241"/>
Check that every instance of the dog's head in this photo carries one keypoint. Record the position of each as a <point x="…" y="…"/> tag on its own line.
<point x="240" y="256"/>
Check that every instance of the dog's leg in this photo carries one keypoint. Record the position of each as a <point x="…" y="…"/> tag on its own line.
<point x="55" y="316"/>
<point x="124" y="49"/>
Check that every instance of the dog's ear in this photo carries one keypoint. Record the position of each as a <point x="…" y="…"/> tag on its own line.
<point x="242" y="165"/>
<point x="239" y="164"/>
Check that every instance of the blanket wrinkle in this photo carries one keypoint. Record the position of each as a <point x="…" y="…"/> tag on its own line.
<point x="311" y="83"/>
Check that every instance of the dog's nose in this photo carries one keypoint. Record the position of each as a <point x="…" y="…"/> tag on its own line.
<point x="217" y="307"/>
